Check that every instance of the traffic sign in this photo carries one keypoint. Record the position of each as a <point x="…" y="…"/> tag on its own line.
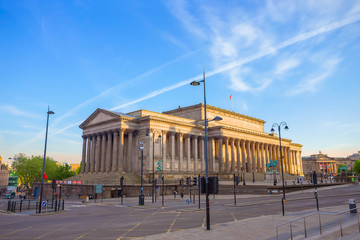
<point x="43" y="204"/>
<point x="188" y="201"/>
<point x="98" y="188"/>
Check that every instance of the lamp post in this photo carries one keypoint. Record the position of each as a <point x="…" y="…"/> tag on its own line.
<point x="281" y="159"/>
<point x="141" y="147"/>
<point x="153" y="167"/>
<point x="43" y="170"/>
<point x="197" y="83"/>
<point x="141" y="195"/>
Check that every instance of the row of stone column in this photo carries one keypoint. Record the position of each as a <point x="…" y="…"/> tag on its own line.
<point x="105" y="152"/>
<point x="230" y="155"/>
<point x="117" y="151"/>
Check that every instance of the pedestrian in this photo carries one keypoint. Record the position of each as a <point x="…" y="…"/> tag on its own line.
<point x="182" y="194"/>
<point x="174" y="194"/>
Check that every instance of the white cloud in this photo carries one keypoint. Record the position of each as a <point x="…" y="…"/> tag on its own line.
<point x="286" y="65"/>
<point x="313" y="82"/>
<point x="19" y="112"/>
<point x="173" y="40"/>
<point x="190" y="22"/>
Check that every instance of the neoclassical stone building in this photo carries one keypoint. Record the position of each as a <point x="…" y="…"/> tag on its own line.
<point x="238" y="142"/>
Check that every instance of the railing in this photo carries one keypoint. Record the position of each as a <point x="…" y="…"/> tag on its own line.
<point x="290" y="223"/>
<point x="31" y="205"/>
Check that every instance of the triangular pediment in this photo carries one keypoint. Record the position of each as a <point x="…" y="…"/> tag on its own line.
<point x="99" y="116"/>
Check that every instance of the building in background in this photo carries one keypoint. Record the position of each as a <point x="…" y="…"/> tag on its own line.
<point x="236" y="143"/>
<point x="323" y="163"/>
<point x="4" y="177"/>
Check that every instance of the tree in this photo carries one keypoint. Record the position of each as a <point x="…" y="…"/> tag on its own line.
<point x="64" y="171"/>
<point x="357" y="166"/>
<point x="29" y="169"/>
<point x="341" y="166"/>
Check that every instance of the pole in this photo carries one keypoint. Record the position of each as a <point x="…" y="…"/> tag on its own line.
<point x="163" y="190"/>
<point x="316" y="197"/>
<point x="43" y="170"/>
<point x="282" y="173"/>
<point x="244" y="178"/>
<point x="199" y="182"/>
<point x="142" y="163"/>
<point x="234" y="191"/>
<point x="206" y="162"/>
<point x="153" y="177"/>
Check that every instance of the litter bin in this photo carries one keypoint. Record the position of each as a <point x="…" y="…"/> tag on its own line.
<point x="141" y="199"/>
<point x="352" y="205"/>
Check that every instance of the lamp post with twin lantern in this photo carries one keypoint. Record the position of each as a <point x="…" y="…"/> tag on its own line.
<point x="281" y="160"/>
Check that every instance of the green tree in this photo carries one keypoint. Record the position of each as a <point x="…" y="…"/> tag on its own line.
<point x="64" y="171"/>
<point x="357" y="166"/>
<point x="29" y="169"/>
<point x="339" y="168"/>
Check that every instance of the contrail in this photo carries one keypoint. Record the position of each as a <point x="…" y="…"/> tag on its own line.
<point x="291" y="41"/>
<point x="299" y="38"/>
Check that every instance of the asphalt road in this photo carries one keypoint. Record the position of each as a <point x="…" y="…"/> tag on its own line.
<point x="111" y="220"/>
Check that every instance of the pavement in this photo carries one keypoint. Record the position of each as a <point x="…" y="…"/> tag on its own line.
<point x="264" y="227"/>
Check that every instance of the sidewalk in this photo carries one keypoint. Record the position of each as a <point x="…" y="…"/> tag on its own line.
<point x="260" y="228"/>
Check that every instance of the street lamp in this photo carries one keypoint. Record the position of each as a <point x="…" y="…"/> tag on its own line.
<point x="153" y="167"/>
<point x="141" y="147"/>
<point x="282" y="165"/>
<point x="141" y="195"/>
<point x="43" y="170"/>
<point x="197" y="83"/>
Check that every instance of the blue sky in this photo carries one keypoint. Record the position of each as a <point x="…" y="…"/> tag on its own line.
<point x="292" y="61"/>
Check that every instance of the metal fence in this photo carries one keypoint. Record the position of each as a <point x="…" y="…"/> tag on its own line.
<point x="31" y="205"/>
<point x="323" y="221"/>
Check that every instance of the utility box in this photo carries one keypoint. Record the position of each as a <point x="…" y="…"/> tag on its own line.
<point x="352" y="205"/>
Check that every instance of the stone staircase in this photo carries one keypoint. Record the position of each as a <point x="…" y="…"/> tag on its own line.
<point x="106" y="178"/>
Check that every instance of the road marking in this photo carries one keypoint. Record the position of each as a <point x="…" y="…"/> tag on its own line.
<point x="203" y="224"/>
<point x="233" y="216"/>
<point x="131" y="229"/>
<point x="173" y="222"/>
<point x="56" y="230"/>
<point x="15" y="231"/>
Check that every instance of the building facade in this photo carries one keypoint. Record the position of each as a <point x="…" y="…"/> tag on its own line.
<point x="323" y="163"/>
<point x="174" y="143"/>
<point x="320" y="163"/>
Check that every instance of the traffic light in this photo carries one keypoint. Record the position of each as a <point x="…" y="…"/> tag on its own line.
<point x="180" y="181"/>
<point x="236" y="180"/>
<point x="53" y="184"/>
<point x="45" y="176"/>
<point x="315" y="194"/>
<point x="188" y="181"/>
<point x="195" y="180"/>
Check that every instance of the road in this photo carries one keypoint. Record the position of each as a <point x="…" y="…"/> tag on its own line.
<point x="111" y="220"/>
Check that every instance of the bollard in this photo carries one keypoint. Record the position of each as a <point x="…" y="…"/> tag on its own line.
<point x="352" y="205"/>
<point x="63" y="205"/>
<point x="8" y="206"/>
<point x="55" y="209"/>
<point x="20" y="205"/>
<point x="29" y="205"/>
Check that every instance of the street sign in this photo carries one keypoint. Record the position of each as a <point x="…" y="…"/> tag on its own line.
<point x="98" y="188"/>
<point x="43" y="204"/>
<point x="300" y="179"/>
<point x="188" y="201"/>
